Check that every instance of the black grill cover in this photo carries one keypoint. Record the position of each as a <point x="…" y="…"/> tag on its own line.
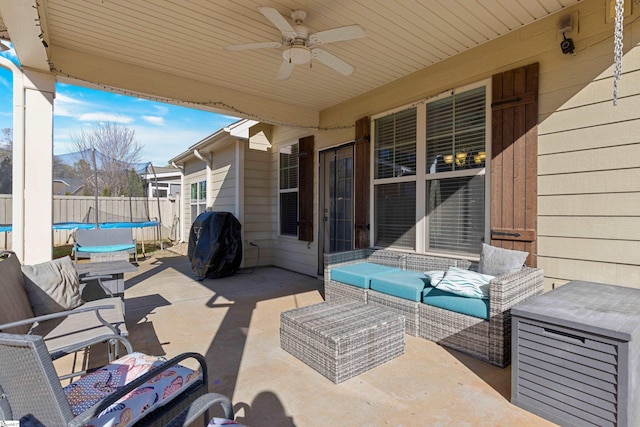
<point x="215" y="245"/>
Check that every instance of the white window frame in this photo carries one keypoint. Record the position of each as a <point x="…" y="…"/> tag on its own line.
<point x="201" y="199"/>
<point x="421" y="177"/>
<point x="287" y="190"/>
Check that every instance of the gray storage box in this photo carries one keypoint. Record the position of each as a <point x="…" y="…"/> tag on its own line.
<point x="576" y="355"/>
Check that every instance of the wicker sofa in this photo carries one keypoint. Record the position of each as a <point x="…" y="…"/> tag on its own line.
<point x="487" y="339"/>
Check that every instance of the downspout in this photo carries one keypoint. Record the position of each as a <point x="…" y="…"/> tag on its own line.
<point x="18" y="218"/>
<point x="209" y="163"/>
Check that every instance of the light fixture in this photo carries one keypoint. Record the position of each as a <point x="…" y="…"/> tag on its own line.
<point x="480" y="157"/>
<point x="448" y="159"/>
<point x="461" y="158"/>
<point x="297" y="54"/>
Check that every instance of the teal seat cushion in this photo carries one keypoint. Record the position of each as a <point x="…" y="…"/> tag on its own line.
<point x="402" y="284"/>
<point x="359" y="274"/>
<point x="106" y="248"/>
<point x="476" y="307"/>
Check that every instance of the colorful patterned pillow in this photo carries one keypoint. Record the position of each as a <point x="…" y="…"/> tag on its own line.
<point x="95" y="386"/>
<point x="465" y="283"/>
<point x="435" y="276"/>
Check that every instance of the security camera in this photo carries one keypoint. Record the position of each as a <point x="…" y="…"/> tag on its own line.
<point x="567" y="45"/>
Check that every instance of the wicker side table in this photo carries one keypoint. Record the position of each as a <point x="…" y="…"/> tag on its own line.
<point x="342" y="339"/>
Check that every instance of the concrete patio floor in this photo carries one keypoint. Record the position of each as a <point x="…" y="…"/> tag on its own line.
<point x="235" y="323"/>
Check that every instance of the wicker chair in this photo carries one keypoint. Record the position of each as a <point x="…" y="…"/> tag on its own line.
<point x="66" y="331"/>
<point x="30" y="389"/>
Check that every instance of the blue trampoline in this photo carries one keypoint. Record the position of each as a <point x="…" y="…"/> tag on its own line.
<point x="73" y="226"/>
<point x="124" y="224"/>
<point x="89" y="226"/>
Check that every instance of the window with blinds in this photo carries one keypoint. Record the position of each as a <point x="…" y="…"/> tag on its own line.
<point x="456" y="132"/>
<point x="288" y="189"/>
<point x="395" y="215"/>
<point x="289" y="167"/>
<point x="453" y="129"/>
<point x="455" y="219"/>
<point x="395" y="145"/>
<point x="456" y="157"/>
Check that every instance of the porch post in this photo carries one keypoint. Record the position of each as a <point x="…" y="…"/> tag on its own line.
<point x="33" y="165"/>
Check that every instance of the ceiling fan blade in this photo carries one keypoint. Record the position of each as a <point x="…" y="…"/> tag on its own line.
<point x="278" y="20"/>
<point x="332" y="61"/>
<point x="286" y="68"/>
<point x="248" y="46"/>
<point x="349" y="32"/>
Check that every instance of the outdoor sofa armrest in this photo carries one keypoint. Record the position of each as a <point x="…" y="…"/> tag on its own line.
<point x="510" y="289"/>
<point x="115" y="335"/>
<point x="346" y="257"/>
<point x="83" y="418"/>
<point x="60" y="314"/>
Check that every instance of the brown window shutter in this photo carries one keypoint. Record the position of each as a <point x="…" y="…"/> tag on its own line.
<point x="361" y="183"/>
<point x="514" y="165"/>
<point x="305" y="189"/>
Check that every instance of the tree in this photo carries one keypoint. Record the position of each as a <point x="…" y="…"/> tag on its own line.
<point x="6" y="161"/>
<point x="115" y="149"/>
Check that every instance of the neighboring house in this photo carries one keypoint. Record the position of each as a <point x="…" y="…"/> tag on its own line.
<point x="67" y="186"/>
<point x="162" y="181"/>
<point x="224" y="173"/>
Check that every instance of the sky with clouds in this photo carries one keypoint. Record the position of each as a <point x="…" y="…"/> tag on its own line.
<point x="164" y="130"/>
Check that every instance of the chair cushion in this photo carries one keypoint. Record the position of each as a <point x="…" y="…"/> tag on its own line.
<point x="359" y="274"/>
<point x="106" y="248"/>
<point x="52" y="286"/>
<point x="95" y="386"/>
<point x="499" y="261"/>
<point x="14" y="304"/>
<point x="402" y="284"/>
<point x="465" y="283"/>
<point x="475" y="307"/>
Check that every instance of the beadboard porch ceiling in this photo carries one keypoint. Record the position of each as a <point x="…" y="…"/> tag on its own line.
<point x="110" y="42"/>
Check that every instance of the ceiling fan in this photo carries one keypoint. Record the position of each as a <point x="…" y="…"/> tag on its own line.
<point x="301" y="45"/>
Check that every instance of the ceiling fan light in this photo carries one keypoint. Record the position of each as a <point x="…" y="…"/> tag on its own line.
<point x="297" y="54"/>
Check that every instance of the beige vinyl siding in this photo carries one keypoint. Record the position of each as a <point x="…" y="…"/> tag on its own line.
<point x="257" y="207"/>
<point x="223" y="181"/>
<point x="589" y="181"/>
<point x="288" y="252"/>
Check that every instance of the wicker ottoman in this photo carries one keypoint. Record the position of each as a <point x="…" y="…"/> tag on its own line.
<point x="342" y="339"/>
